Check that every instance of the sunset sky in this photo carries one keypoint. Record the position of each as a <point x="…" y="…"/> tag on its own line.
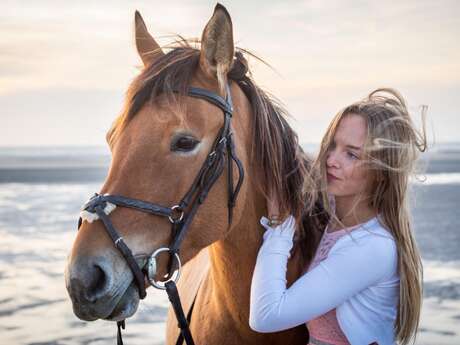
<point x="64" y="66"/>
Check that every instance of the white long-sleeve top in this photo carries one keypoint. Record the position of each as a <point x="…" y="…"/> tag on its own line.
<point x="359" y="278"/>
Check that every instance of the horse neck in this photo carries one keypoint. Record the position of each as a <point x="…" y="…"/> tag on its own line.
<point x="233" y="259"/>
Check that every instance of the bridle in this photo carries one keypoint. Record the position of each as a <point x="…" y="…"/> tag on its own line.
<point x="180" y="215"/>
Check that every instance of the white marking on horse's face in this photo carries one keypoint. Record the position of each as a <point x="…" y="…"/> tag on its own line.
<point x="91" y="217"/>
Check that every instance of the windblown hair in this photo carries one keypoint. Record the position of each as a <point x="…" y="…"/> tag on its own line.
<point x="275" y="149"/>
<point x="390" y="153"/>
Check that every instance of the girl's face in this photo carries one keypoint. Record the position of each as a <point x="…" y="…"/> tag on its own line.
<point x="347" y="175"/>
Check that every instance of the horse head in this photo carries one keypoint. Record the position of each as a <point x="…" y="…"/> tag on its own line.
<point x="159" y="143"/>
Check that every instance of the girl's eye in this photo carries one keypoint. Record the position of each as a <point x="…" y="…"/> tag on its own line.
<point x="352" y="155"/>
<point x="184" y="144"/>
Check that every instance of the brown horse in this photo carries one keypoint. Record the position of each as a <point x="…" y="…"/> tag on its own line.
<point x="158" y="145"/>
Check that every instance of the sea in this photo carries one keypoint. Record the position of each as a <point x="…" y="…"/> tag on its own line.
<point x="42" y="189"/>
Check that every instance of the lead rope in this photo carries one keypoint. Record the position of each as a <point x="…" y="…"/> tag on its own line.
<point x="182" y="322"/>
<point x="120" y="325"/>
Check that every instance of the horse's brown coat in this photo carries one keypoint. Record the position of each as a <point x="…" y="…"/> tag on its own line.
<point x="219" y="258"/>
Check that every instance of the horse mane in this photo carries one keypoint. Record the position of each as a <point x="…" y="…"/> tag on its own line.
<point x="276" y="152"/>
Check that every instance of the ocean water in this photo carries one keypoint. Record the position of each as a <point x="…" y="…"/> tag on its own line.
<point x="41" y="191"/>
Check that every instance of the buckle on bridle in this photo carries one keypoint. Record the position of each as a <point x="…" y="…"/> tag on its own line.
<point x="179" y="214"/>
<point x="152" y="269"/>
<point x="211" y="158"/>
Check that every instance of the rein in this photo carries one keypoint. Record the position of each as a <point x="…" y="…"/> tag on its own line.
<point x="180" y="215"/>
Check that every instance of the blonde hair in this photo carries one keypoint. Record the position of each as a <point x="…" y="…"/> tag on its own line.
<point x="390" y="153"/>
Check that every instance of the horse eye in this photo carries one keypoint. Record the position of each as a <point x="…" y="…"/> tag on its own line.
<point x="184" y="144"/>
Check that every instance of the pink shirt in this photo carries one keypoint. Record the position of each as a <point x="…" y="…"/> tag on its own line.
<point x="325" y="329"/>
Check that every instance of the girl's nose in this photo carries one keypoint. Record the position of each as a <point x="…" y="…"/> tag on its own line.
<point x="331" y="160"/>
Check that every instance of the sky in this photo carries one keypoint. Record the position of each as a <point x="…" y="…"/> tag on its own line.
<point x="65" y="66"/>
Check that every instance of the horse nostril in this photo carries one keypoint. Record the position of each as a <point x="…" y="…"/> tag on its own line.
<point x="98" y="284"/>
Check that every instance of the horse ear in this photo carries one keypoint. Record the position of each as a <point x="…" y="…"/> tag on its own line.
<point x="217" y="47"/>
<point x="147" y="47"/>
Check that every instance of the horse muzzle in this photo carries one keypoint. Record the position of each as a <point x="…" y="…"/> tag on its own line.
<point x="100" y="289"/>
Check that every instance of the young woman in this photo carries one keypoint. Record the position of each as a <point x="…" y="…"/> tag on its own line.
<point x="364" y="284"/>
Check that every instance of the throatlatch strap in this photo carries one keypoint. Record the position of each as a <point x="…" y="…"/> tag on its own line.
<point x="173" y="296"/>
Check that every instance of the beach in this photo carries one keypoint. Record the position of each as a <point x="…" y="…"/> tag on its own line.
<point x="42" y="190"/>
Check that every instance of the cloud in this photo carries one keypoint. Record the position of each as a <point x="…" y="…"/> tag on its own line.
<point x="318" y="48"/>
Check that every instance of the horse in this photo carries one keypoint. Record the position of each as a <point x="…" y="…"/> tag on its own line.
<point x="159" y="142"/>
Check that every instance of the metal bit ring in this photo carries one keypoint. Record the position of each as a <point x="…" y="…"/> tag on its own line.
<point x="152" y="269"/>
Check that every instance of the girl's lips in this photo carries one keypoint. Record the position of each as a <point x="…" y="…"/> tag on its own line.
<point x="331" y="177"/>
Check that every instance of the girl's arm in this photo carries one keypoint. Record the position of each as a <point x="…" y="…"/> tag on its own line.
<point x="345" y="272"/>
